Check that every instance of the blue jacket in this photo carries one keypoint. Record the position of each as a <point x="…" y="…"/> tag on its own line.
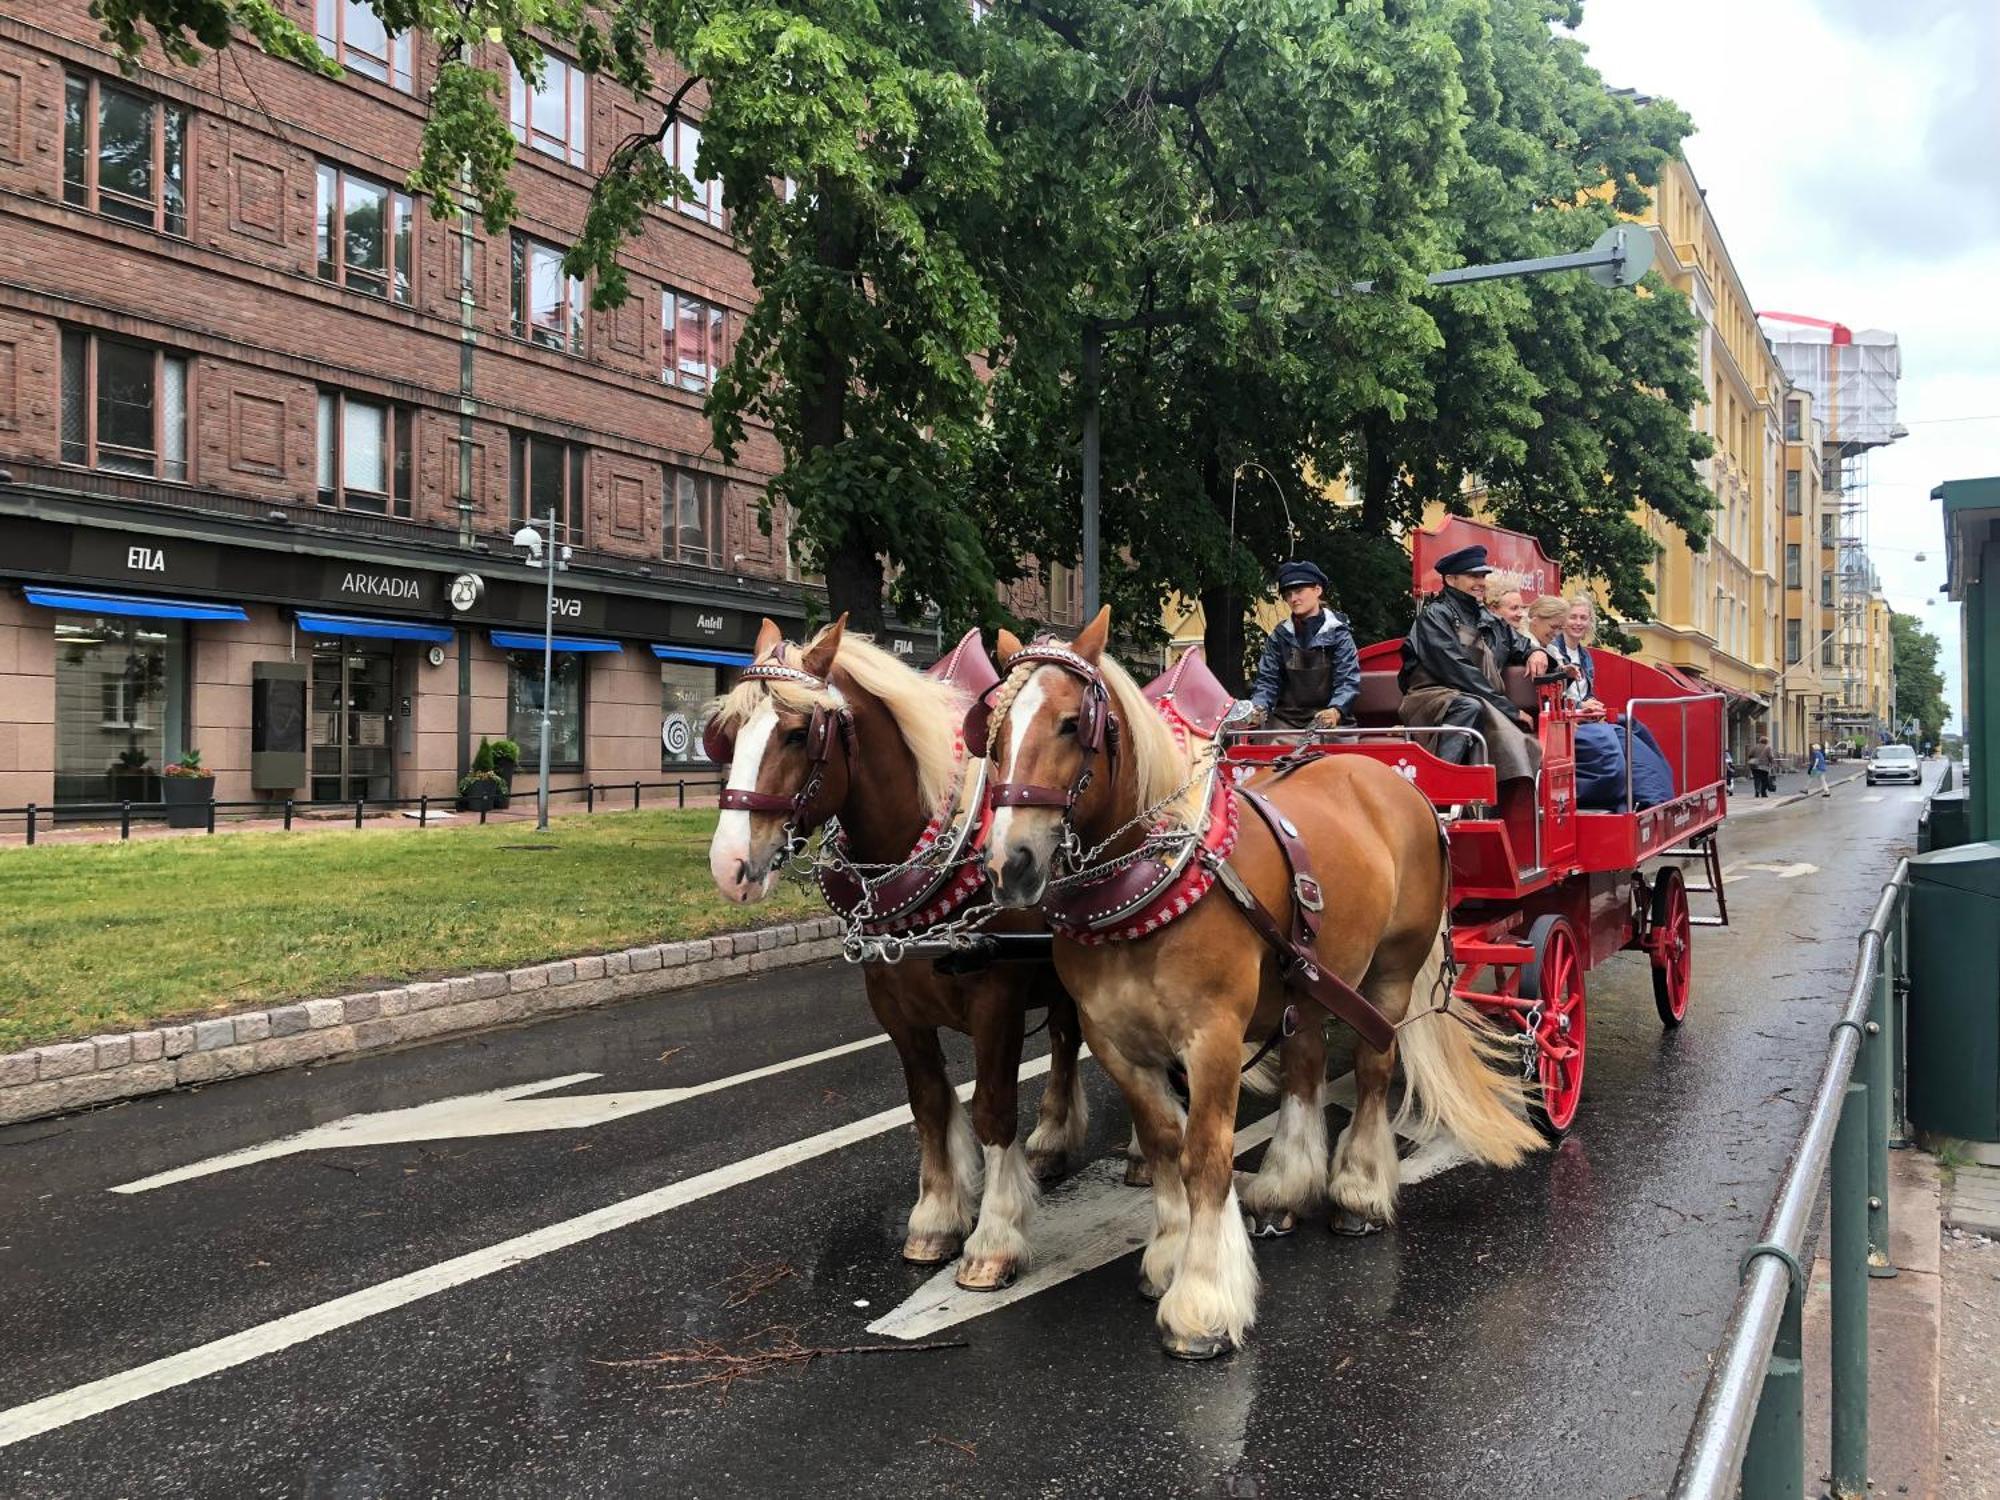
<point x="1335" y="639"/>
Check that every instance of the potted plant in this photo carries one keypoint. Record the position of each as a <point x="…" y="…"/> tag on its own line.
<point x="129" y="777"/>
<point x="481" y="790"/>
<point x="506" y="761"/>
<point x="186" y="789"/>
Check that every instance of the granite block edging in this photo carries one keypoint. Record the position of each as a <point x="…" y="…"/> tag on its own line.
<point x="64" y="1076"/>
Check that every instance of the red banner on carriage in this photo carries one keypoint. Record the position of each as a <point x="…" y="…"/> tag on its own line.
<point x="1509" y="551"/>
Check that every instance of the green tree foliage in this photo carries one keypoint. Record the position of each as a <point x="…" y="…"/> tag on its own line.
<point x="1919" y="684"/>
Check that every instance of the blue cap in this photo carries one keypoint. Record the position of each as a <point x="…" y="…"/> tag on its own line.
<point x="1299" y="571"/>
<point x="1464" y="560"/>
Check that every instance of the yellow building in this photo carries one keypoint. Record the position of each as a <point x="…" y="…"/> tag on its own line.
<point x="1719" y="614"/>
<point x="1809" y="685"/>
<point x="1878" y="673"/>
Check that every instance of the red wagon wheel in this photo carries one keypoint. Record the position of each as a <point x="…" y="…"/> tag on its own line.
<point x="1554" y="977"/>
<point x="1670" y="940"/>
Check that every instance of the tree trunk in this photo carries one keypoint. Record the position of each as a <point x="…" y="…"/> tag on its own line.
<point x="1378" y="477"/>
<point x="854" y="584"/>
<point x="853" y="562"/>
<point x="1222" y="636"/>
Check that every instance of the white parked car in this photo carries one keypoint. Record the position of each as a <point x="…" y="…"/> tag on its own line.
<point x="1895" y="763"/>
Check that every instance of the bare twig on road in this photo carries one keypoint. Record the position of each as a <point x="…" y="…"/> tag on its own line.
<point x="671" y="1052"/>
<point x="942" y="1441"/>
<point x="754" y="1281"/>
<point x="784" y="1351"/>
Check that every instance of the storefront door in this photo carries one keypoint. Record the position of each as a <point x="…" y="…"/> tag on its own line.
<point x="353" y="720"/>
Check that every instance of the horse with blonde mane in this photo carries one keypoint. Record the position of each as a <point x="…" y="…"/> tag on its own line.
<point x="1079" y="761"/>
<point x="840" y="729"/>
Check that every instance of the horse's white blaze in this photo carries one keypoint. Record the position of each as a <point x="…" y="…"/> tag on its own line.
<point x="1294" y="1172"/>
<point x="1003" y="1215"/>
<point x="1019" y="716"/>
<point x="729" y="850"/>
<point x="1215" y="1289"/>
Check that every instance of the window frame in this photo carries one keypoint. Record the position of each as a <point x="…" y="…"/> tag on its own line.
<point x="90" y="340"/>
<point x="682" y="148"/>
<point x="1795" y="489"/>
<point x="527" y="666"/>
<point x="715" y="341"/>
<point x="1792" y="565"/>
<point x="522" y="446"/>
<point x="521" y="280"/>
<point x="398" y="70"/>
<point x="1794" y="641"/>
<point x="399" y="280"/>
<point x="88" y="194"/>
<point x="576" y="111"/>
<point x="711" y="490"/>
<point x="398" y="458"/>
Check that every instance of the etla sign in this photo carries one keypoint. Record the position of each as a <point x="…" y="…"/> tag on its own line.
<point x="145" y="560"/>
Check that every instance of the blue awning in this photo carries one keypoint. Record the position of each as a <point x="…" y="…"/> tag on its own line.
<point x="520" y="640"/>
<point x="703" y="656"/>
<point x="374" y="630"/>
<point x="133" y="606"/>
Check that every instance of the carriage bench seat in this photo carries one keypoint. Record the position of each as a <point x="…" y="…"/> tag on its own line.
<point x="1381" y="700"/>
<point x="966" y="666"/>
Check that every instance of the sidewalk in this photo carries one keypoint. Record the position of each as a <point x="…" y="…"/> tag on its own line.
<point x="1743" y="805"/>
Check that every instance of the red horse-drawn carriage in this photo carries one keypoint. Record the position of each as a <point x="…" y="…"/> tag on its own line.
<point x="1543" y="889"/>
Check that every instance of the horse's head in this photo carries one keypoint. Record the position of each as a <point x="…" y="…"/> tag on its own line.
<point x="783" y="732"/>
<point x="1050" y="736"/>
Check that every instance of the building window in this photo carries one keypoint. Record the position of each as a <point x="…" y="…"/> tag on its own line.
<point x="1826" y="652"/>
<point x="364" y="454"/>
<point x="1065" y="595"/>
<point x="699" y="198"/>
<point x="364" y="234"/>
<point x="124" y="407"/>
<point x="692" y="529"/>
<point x="524" y="707"/>
<point x="1792" y="632"/>
<point x="1791" y="565"/>
<point x="551" y="119"/>
<point x="1826" y="588"/>
<point x="685" y="692"/>
<point x="546" y="478"/>
<point x="125" y="155"/>
<point x="121" y="700"/>
<point x="691" y="334"/>
<point x="548" y="306"/>
<point x="1792" y="492"/>
<point x="353" y="35"/>
<point x="1792" y="421"/>
<point x="1826" y="528"/>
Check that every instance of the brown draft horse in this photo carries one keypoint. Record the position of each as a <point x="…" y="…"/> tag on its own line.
<point x="1192" y="991"/>
<point x="901" y="765"/>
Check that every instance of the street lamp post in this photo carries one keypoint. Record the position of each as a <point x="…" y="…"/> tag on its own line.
<point x="552" y="562"/>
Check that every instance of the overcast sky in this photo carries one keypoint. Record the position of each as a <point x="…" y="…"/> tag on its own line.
<point x="1851" y="154"/>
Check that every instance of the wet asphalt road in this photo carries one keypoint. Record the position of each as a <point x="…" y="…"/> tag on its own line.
<point x="1539" y="1332"/>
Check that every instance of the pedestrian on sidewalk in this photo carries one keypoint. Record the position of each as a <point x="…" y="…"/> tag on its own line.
<point x="1763" y="766"/>
<point x="1816" y="766"/>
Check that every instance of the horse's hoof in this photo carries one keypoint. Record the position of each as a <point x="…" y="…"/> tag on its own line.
<point x="1150" y="1292"/>
<point x="1273" y="1225"/>
<point x="987" y="1275"/>
<point x="1347" y="1221"/>
<point x="930" y="1249"/>
<point x="1048" y="1165"/>
<point x="1195" y="1347"/>
<point x="1138" y="1172"/>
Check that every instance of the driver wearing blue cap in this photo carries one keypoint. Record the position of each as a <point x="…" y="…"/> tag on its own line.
<point x="1310" y="672"/>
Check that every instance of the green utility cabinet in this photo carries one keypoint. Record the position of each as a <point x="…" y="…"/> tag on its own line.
<point x="1946" y="822"/>
<point x="1954" y="1005"/>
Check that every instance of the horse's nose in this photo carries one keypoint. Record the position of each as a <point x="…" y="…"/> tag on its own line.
<point x="1021" y="879"/>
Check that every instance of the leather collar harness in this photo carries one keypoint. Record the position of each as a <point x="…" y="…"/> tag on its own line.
<point x="1094" y="910"/>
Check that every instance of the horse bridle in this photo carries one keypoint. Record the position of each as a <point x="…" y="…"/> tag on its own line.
<point x="1097" y="732"/>
<point x="826" y="729"/>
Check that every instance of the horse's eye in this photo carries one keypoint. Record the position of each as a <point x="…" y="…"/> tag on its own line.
<point x="1067" y="726"/>
<point x="795" y="739"/>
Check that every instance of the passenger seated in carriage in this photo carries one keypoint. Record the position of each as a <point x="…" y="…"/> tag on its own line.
<point x="1453" y="674"/>
<point x="1310" y="672"/>
<point x="1599" y="746"/>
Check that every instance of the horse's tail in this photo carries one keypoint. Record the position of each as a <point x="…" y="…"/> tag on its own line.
<point x="1462" y="1075"/>
<point x="1266" y="1078"/>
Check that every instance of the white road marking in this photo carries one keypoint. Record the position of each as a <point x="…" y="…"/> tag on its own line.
<point x="1872" y="797"/>
<point x="505" y="1111"/>
<point x="1095" y="1219"/>
<point x="113" y="1391"/>
<point x="1785" y="871"/>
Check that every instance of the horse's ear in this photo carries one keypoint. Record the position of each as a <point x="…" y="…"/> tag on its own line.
<point x="1089" y="643"/>
<point x="825" y="646"/>
<point x="1006" y="646"/>
<point x="769" y="637"/>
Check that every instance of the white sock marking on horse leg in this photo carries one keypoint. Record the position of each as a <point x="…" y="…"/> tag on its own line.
<point x="950" y="1206"/>
<point x="1162" y="1259"/>
<point x="1365" y="1170"/>
<point x="1216" y="1290"/>
<point x="1294" y="1171"/>
<point x="1063" y="1132"/>
<point x="1003" y="1215"/>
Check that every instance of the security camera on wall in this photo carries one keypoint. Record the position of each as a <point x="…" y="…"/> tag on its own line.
<point x="531" y="539"/>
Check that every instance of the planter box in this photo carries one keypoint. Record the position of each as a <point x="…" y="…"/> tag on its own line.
<point x="482" y="796"/>
<point x="187" y="799"/>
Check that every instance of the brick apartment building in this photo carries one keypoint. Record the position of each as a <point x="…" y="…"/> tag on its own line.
<point x="267" y="426"/>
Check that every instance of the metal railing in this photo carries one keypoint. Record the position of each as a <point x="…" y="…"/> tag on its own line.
<point x="34" y="818"/>
<point x="1750" y="1424"/>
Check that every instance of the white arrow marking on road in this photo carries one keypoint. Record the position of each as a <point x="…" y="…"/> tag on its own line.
<point x="1784" y="871"/>
<point x="1095" y="1219"/>
<point x="508" y="1111"/>
<point x="1872" y="797"/>
<point x="113" y="1391"/>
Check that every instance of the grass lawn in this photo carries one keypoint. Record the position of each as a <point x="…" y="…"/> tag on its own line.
<point x="111" y="937"/>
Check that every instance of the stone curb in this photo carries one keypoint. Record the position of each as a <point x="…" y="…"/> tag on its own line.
<point x="55" y="1079"/>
